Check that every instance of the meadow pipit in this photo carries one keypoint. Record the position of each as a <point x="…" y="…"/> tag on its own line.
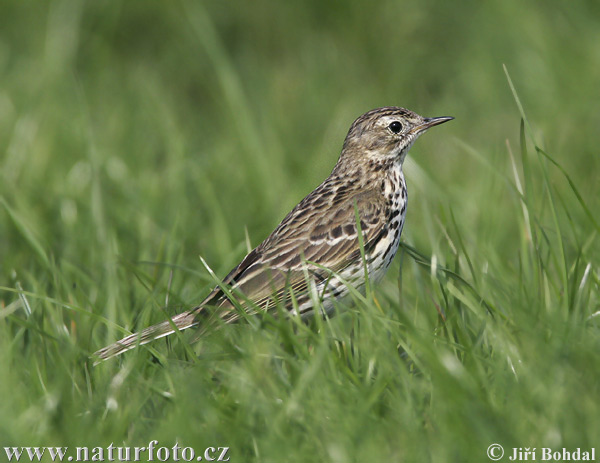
<point x="315" y="253"/>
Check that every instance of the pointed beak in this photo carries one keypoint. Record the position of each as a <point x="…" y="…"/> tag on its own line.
<point x="429" y="122"/>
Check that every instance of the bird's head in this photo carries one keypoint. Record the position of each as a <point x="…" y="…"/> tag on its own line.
<point x="385" y="135"/>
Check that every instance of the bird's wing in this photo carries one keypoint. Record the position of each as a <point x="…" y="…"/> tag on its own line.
<point x="322" y="230"/>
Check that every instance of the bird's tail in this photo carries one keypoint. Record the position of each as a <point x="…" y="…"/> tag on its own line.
<point x="179" y="322"/>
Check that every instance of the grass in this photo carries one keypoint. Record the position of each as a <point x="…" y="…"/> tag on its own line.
<point x="136" y="137"/>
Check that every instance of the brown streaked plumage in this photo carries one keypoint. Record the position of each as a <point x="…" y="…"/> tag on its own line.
<point x="314" y="253"/>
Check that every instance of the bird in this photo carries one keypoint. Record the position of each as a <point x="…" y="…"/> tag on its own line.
<point x="344" y="233"/>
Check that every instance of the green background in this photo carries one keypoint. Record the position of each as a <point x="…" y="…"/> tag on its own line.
<point x="136" y="136"/>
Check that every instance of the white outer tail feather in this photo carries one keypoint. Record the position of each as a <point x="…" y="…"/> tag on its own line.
<point x="181" y="321"/>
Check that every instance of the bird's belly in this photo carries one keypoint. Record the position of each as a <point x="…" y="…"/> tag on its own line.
<point x="384" y="252"/>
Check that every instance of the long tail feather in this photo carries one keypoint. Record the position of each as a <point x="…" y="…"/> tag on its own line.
<point x="182" y="321"/>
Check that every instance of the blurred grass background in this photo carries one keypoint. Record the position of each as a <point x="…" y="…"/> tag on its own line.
<point x="136" y="136"/>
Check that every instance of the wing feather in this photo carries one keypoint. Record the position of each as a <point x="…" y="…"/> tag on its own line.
<point x="306" y="235"/>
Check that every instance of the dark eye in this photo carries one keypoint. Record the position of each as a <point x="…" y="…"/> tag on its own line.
<point x="395" y="127"/>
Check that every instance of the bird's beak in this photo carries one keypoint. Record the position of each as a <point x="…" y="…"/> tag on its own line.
<point x="429" y="122"/>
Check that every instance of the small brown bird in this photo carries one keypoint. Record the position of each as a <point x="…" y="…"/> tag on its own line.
<point x="314" y="254"/>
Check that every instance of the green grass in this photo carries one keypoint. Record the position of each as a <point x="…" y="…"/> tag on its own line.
<point x="136" y="137"/>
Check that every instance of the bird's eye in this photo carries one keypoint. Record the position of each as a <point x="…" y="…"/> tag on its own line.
<point x="395" y="127"/>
